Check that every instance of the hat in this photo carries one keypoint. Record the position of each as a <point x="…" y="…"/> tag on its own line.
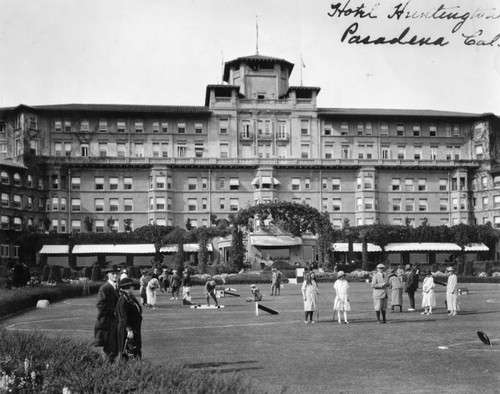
<point x="340" y="273"/>
<point x="212" y="283"/>
<point x="126" y="283"/>
<point x="381" y="266"/>
<point x="111" y="268"/>
<point x="408" y="267"/>
<point x="449" y="269"/>
<point x="252" y="286"/>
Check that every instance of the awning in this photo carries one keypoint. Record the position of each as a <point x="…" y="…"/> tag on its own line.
<point x="422" y="247"/>
<point x="224" y="243"/>
<point x="234" y="182"/>
<point x="266" y="180"/>
<point x="278" y="240"/>
<point x="255" y="181"/>
<point x="356" y="247"/>
<point x="115" y="249"/>
<point x="54" y="249"/>
<point x="477" y="247"/>
<point x="172" y="248"/>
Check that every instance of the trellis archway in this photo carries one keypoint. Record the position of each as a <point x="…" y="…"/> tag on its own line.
<point x="298" y="219"/>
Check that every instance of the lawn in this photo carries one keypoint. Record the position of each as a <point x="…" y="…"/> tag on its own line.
<point x="280" y="351"/>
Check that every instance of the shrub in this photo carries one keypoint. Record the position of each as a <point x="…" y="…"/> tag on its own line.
<point x="66" y="273"/>
<point x="55" y="274"/>
<point x="96" y="273"/>
<point x="87" y="272"/>
<point x="45" y="273"/>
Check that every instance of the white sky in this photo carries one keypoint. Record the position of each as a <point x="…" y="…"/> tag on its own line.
<point x="166" y="52"/>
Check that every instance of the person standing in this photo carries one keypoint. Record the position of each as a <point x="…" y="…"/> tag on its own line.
<point x="279" y="277"/>
<point x="164" y="281"/>
<point x="106" y="326"/>
<point x="210" y="292"/>
<point x="396" y="287"/>
<point x="379" y="285"/>
<point x="309" y="293"/>
<point x="151" y="288"/>
<point x="143" y="282"/>
<point x="274" y="282"/>
<point x="175" y="284"/>
<point x="129" y="321"/>
<point x="452" y="292"/>
<point x="428" y="296"/>
<point x="341" y="303"/>
<point x="186" y="286"/>
<point x="411" y="287"/>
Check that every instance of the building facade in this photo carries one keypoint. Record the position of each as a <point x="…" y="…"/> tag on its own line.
<point x="257" y="139"/>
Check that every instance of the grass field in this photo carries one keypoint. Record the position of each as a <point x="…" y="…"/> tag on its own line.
<point x="281" y="352"/>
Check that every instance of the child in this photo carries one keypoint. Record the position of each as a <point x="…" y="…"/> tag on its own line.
<point x="341" y="303"/>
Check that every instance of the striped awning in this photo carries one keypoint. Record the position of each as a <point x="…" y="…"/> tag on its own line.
<point x="114" y="249"/>
<point x="173" y="248"/>
<point x="277" y="241"/>
<point x="476" y="247"/>
<point x="54" y="249"/>
<point x="422" y="247"/>
<point x="356" y="247"/>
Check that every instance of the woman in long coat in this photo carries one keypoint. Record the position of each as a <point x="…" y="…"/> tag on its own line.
<point x="309" y="293"/>
<point x="129" y="321"/>
<point x="396" y="287"/>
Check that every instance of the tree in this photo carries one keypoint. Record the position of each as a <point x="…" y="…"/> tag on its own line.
<point x="127" y="225"/>
<point x="88" y="223"/>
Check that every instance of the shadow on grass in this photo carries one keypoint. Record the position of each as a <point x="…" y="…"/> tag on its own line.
<point x="221" y="366"/>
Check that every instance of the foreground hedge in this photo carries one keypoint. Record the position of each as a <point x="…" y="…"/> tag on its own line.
<point x="19" y="299"/>
<point x="34" y="363"/>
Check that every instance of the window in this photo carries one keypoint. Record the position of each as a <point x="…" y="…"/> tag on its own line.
<point x="198" y="128"/>
<point x="448" y="152"/>
<point x="359" y="204"/>
<point x="361" y="128"/>
<point x="496" y="222"/>
<point x="121" y="149"/>
<point x="484" y="182"/>
<point x="336" y="204"/>
<point x="443" y="185"/>
<point x="222" y="203"/>
<point x="328" y="129"/>
<point x="55" y="203"/>
<point x="120" y="126"/>
<point x="138" y="149"/>
<point x="463" y="204"/>
<point x="76" y="226"/>
<point x="192" y="183"/>
<point x="486" y="202"/>
<point x="456" y="130"/>
<point x="234" y="183"/>
<point x="151" y="203"/>
<point x="198" y="149"/>
<point x="496" y="181"/>
<point x="204" y="204"/>
<point x="335" y="184"/>
<point x="361" y="151"/>
<point x="58" y="126"/>
<point x="204" y="183"/>
<point x="223" y="125"/>
<point x="128" y="183"/>
<point x="139" y="126"/>
<point x="18" y="224"/>
<point x="224" y="149"/>
<point x="400" y="129"/>
<point x="395" y="184"/>
<point x="328" y="151"/>
<point x="479" y="152"/>
<point x="156" y="126"/>
<point x="386" y="152"/>
<point x="164" y="127"/>
<point x="58" y="148"/>
<point x="359" y="182"/>
<point x="454" y="184"/>
<point x="246" y="128"/>
<point x="192" y="204"/>
<point x="408" y="184"/>
<point x="67" y="149"/>
<point x="113" y="183"/>
<point x="67" y="126"/>
<point x="416" y="130"/>
<point x="99" y="183"/>
<point x="368" y="128"/>
<point x="75" y="205"/>
<point x="160" y="182"/>
<point x="417" y="152"/>
<point x="17" y="201"/>
<point x="456" y="153"/>
<point x="401" y="152"/>
<point x="384" y="129"/>
<point x="454" y="203"/>
<point x="433" y="130"/>
<point x="128" y="204"/>
<point x="5" y="223"/>
<point x="55" y="181"/>
<point x="103" y="149"/>
<point x="160" y="203"/>
<point x="84" y="126"/>
<point x="181" y="149"/>
<point x="304" y="127"/>
<point x="346" y="151"/>
<point x="324" y="183"/>
<point x="84" y="150"/>
<point x="99" y="226"/>
<point x="443" y="204"/>
<point x="369" y="205"/>
<point x="169" y="203"/>
<point x="222" y="183"/>
<point x="103" y="126"/>
<point x="422" y="184"/>
<point x="5" y="200"/>
<point x="409" y="204"/>
<point x="307" y="183"/>
<point x="234" y="204"/>
<point x="324" y="205"/>
<point x="295" y="183"/>
<point x="396" y="204"/>
<point x="156" y="149"/>
<point x="181" y="128"/>
<point x="496" y="202"/>
<point x="99" y="204"/>
<point x="113" y="204"/>
<point x="169" y="182"/>
<point x="344" y="128"/>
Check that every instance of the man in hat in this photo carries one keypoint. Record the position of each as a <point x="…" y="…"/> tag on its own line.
<point x="106" y="326"/>
<point x="274" y="282"/>
<point x="210" y="291"/>
<point x="452" y="291"/>
<point x="379" y="285"/>
<point x="411" y="287"/>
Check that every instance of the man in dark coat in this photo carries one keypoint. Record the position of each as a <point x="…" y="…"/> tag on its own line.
<point x="411" y="286"/>
<point x="106" y="327"/>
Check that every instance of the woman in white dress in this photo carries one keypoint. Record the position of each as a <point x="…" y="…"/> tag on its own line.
<point x="341" y="303"/>
<point x="428" y="296"/>
<point x="452" y="291"/>
<point x="153" y="284"/>
<point x="309" y="293"/>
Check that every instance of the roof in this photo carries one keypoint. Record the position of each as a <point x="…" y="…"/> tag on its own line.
<point x="253" y="59"/>
<point x="396" y="112"/>
<point x="166" y="109"/>
<point x="115" y="249"/>
<point x="10" y="163"/>
<point x="173" y="248"/>
<point x="356" y="246"/>
<point x="54" y="249"/>
<point x="476" y="247"/>
<point x="275" y="240"/>
<point x="422" y="247"/>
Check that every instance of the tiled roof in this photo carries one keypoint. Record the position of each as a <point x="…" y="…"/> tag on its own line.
<point x="167" y="109"/>
<point x="396" y="112"/>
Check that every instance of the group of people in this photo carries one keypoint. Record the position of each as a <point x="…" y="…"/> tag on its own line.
<point x="382" y="282"/>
